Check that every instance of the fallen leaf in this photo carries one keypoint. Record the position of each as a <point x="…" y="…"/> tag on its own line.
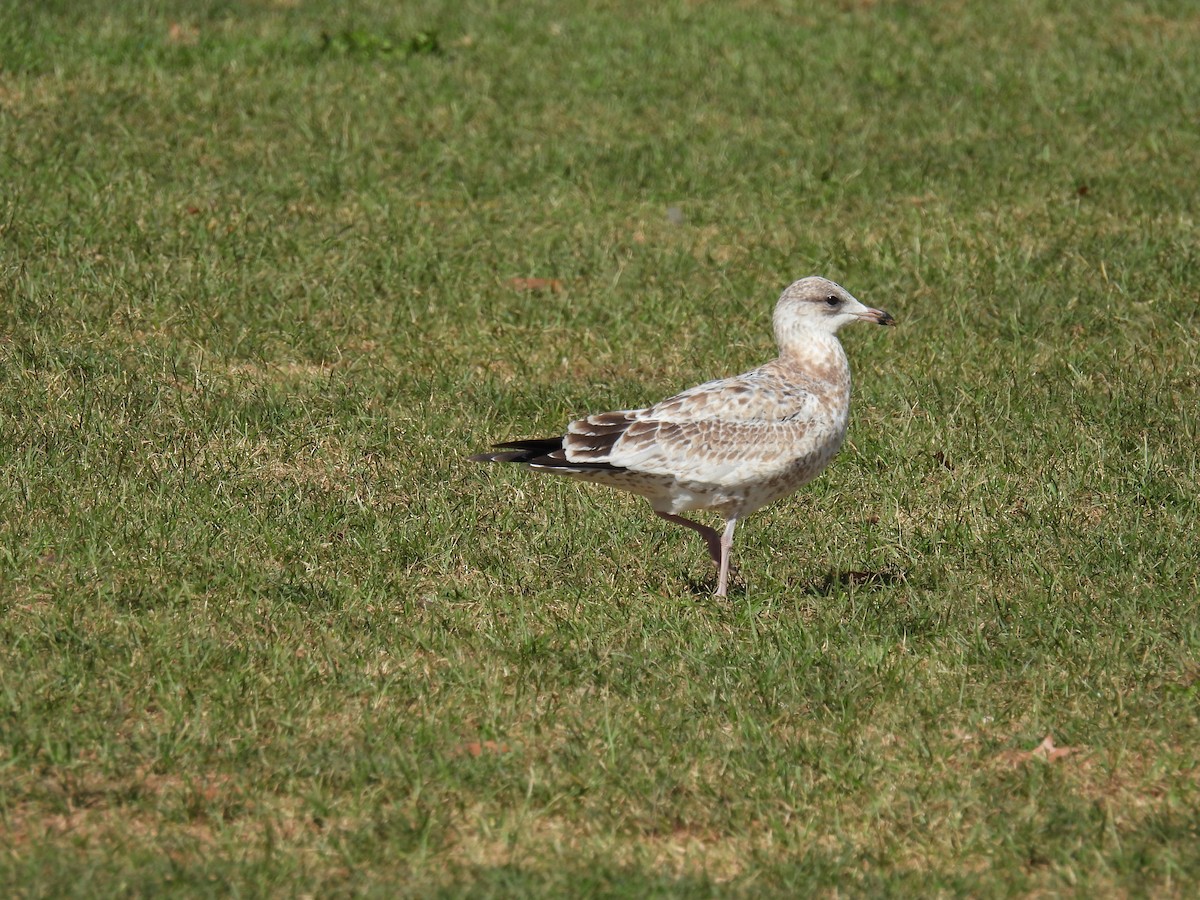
<point x="1046" y="751"/>
<point x="553" y="285"/>
<point x="183" y="35"/>
<point x="478" y="748"/>
<point x="1049" y="752"/>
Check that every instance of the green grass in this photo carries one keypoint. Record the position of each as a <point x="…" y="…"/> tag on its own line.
<point x="264" y="630"/>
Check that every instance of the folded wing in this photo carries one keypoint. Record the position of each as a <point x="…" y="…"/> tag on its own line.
<point x="722" y="432"/>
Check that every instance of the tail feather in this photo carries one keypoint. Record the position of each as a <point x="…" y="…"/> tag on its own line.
<point x="520" y="451"/>
<point x="541" y="453"/>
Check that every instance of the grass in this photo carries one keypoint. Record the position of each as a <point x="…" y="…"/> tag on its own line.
<point x="264" y="630"/>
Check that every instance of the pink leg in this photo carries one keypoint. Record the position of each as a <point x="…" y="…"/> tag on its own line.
<point x="720" y="546"/>
<point x="726" y="551"/>
<point x="711" y="538"/>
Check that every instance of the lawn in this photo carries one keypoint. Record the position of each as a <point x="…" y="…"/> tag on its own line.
<point x="271" y="271"/>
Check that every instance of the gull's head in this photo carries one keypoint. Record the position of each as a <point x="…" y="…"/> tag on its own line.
<point x="819" y="305"/>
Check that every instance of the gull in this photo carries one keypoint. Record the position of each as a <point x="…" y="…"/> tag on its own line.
<point x="729" y="446"/>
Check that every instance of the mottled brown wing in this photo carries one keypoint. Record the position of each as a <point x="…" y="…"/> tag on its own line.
<point x="592" y="439"/>
<point x="722" y="432"/>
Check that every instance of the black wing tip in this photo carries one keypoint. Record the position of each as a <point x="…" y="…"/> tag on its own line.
<point x="520" y="451"/>
<point x="536" y="453"/>
<point x="545" y="445"/>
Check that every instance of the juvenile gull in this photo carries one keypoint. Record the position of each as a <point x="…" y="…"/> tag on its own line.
<point x="729" y="446"/>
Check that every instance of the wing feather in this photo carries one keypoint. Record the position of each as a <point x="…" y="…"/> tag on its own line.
<point x="721" y="432"/>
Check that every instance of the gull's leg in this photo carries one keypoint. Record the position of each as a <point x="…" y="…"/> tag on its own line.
<point x="726" y="550"/>
<point x="711" y="538"/>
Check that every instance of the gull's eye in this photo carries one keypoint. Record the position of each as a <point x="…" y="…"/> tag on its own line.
<point x="832" y="301"/>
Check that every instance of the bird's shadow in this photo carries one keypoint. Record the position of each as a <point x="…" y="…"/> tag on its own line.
<point x="705" y="588"/>
<point x="833" y="583"/>
<point x="828" y="585"/>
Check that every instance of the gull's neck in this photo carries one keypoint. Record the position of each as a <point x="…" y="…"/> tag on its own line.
<point x="818" y="354"/>
<point x="817" y="359"/>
